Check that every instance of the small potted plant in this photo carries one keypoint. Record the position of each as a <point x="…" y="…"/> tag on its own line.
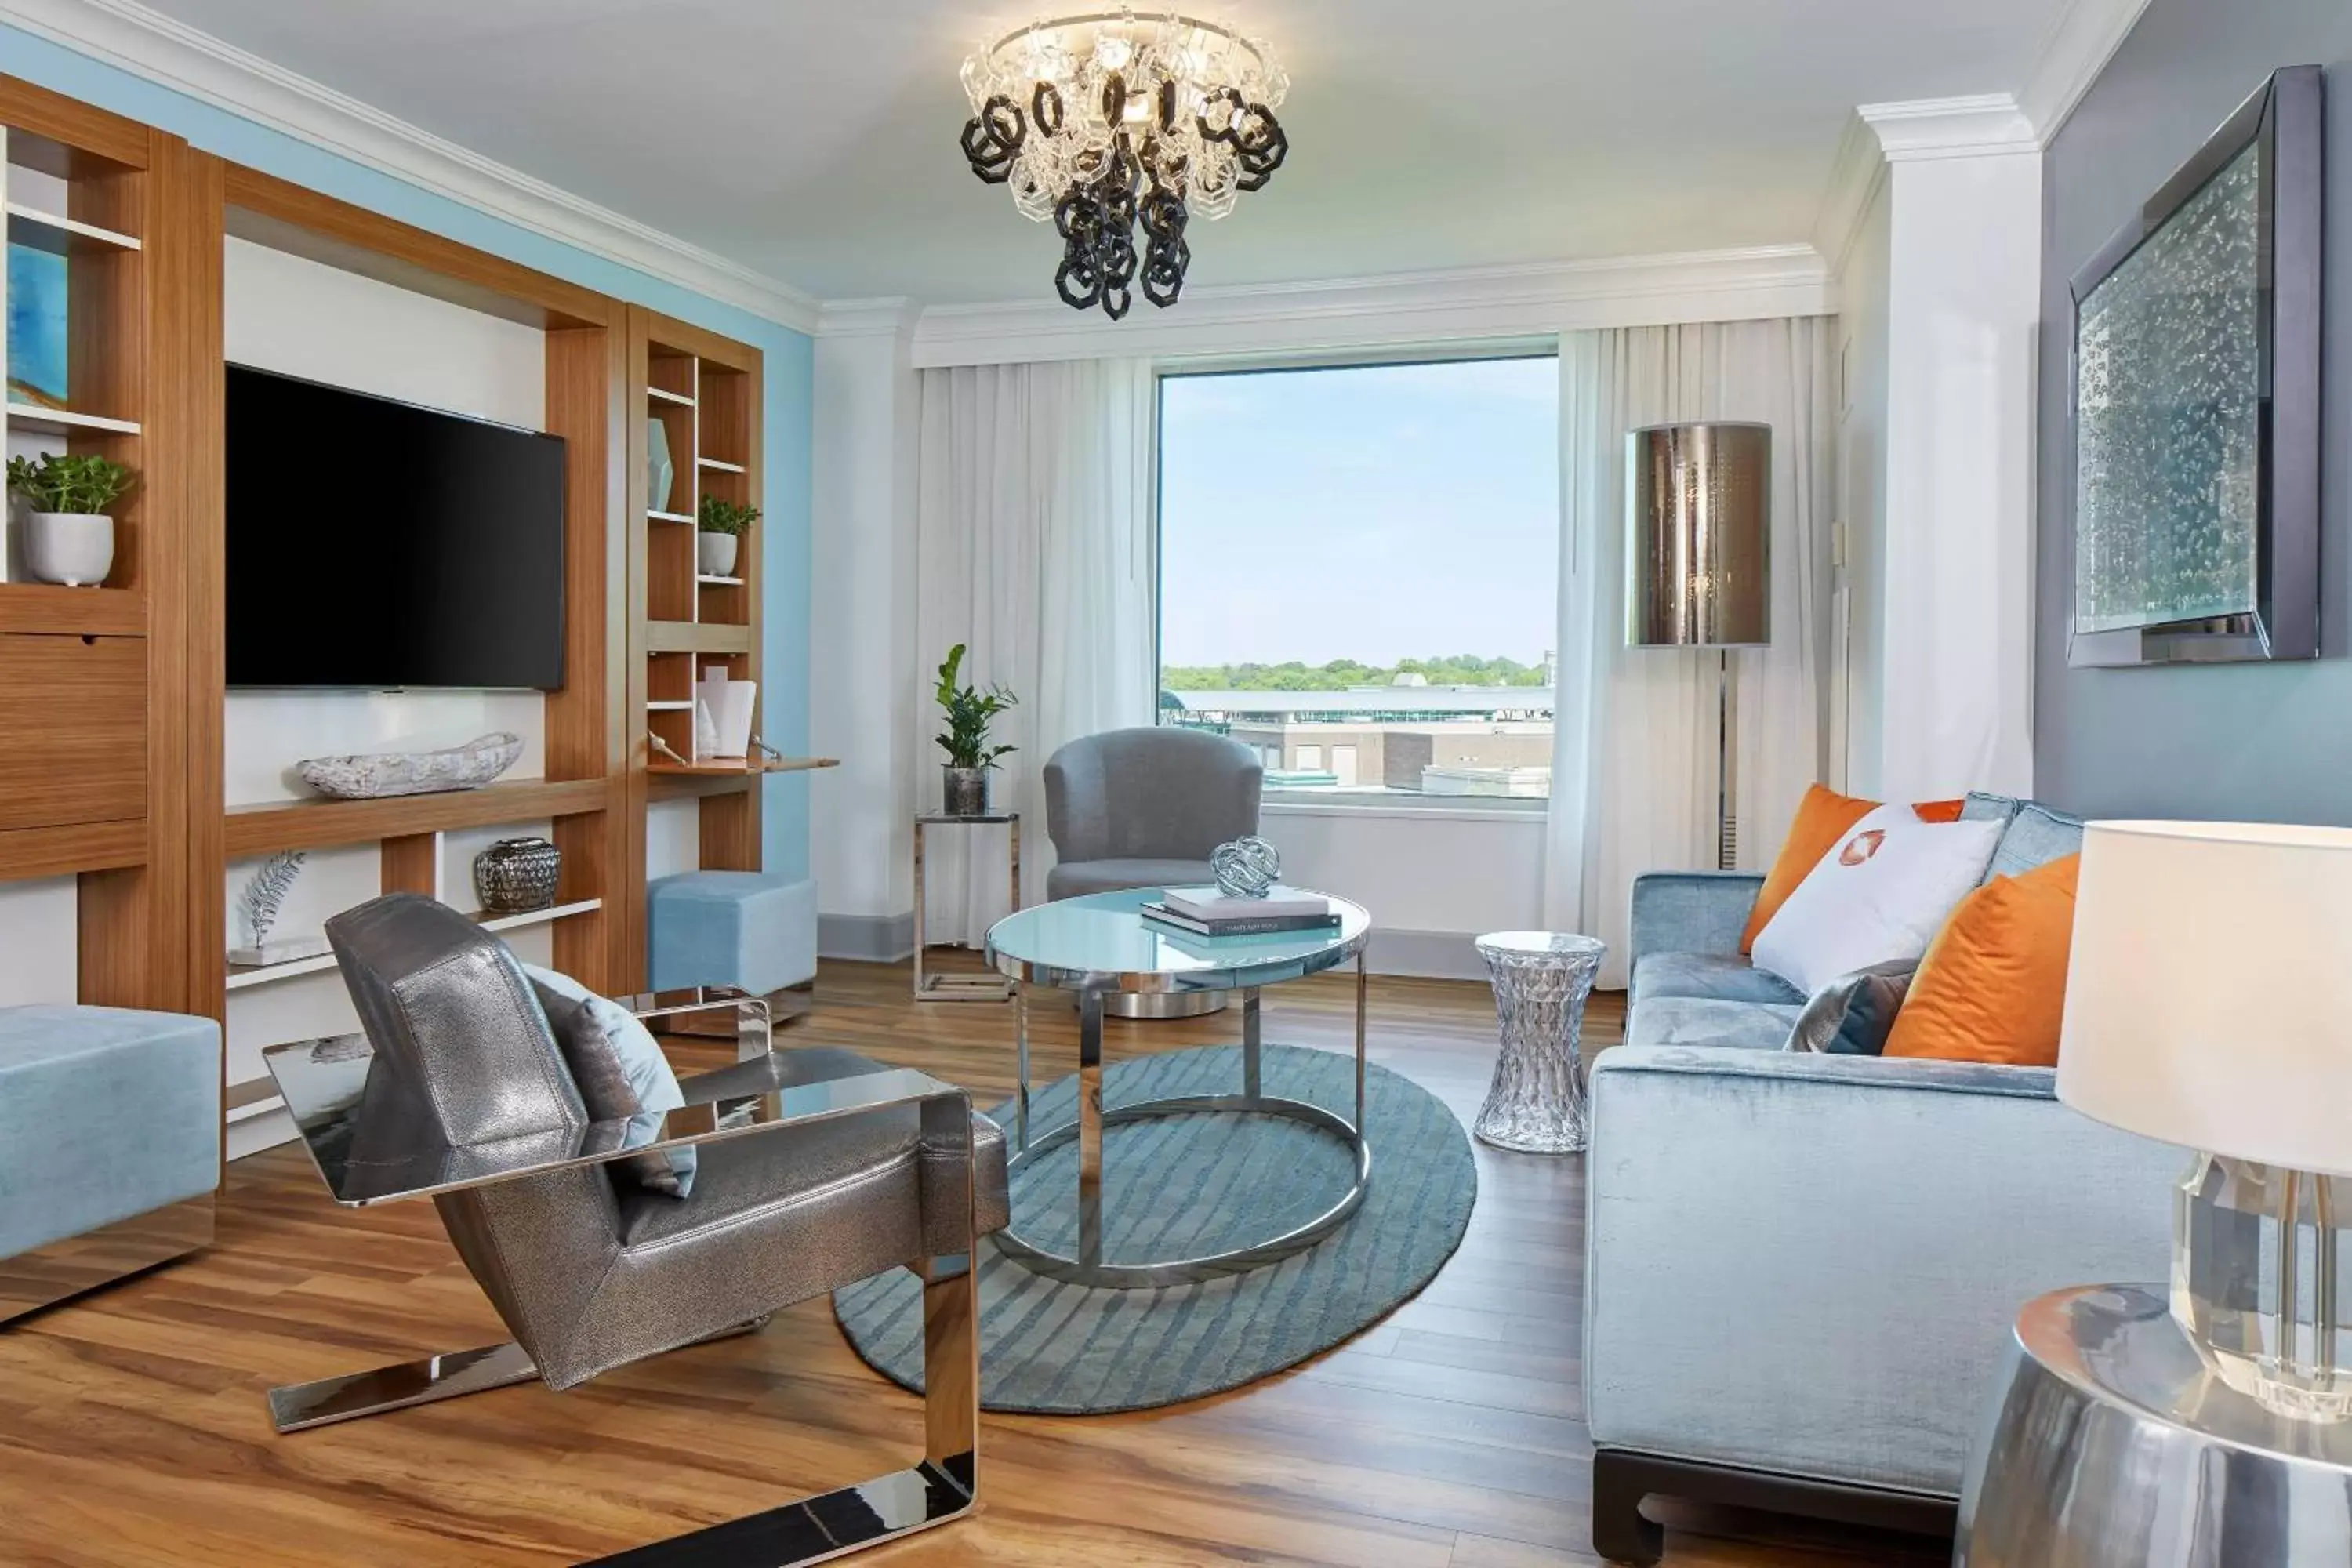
<point x="970" y="713"/>
<point x="722" y="525"/>
<point x="68" y="535"/>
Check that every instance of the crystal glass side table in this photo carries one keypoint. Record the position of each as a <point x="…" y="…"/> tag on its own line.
<point x="1536" y="1104"/>
<point x="931" y="987"/>
<point x="2113" y="1445"/>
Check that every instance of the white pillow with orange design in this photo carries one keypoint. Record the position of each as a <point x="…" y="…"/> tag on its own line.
<point x="1879" y="896"/>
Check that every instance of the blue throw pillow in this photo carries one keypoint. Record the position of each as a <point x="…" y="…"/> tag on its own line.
<point x="621" y="1074"/>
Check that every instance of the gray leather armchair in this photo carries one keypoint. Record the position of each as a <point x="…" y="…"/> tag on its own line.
<point x="1144" y="808"/>
<point x="816" y="1168"/>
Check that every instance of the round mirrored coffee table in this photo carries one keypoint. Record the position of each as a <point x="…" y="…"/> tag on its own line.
<point x="1102" y="944"/>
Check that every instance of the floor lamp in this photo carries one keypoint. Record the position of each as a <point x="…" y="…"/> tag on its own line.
<point x="1698" y="566"/>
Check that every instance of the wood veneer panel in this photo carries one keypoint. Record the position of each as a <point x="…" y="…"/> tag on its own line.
<point x="119" y="938"/>
<point x="74" y="710"/>
<point x="264" y="828"/>
<point x="28" y="852"/>
<point x="24" y="107"/>
<point x="686" y="637"/>
<point x="48" y="607"/>
<point x="285" y="216"/>
<point x="587" y="376"/>
<point x="411" y="863"/>
<point x="181" y="444"/>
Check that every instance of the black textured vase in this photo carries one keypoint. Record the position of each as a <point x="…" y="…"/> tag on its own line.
<point x="964" y="791"/>
<point x="516" y="874"/>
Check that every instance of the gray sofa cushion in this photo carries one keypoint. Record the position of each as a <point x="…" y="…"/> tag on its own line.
<point x="1719" y="976"/>
<point x="1854" y="1014"/>
<point x="2035" y="837"/>
<point x="1708" y="1021"/>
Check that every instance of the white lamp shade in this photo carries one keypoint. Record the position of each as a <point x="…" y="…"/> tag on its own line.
<point x="2208" y="999"/>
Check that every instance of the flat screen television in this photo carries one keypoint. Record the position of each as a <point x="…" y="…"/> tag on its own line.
<point x="375" y="544"/>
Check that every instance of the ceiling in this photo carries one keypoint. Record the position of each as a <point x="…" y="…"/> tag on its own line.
<point x="816" y="139"/>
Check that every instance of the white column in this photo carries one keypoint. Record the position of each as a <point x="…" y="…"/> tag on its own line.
<point x="861" y="634"/>
<point x="1963" y="302"/>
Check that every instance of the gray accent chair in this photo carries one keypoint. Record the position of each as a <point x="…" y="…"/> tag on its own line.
<point x="1801" y="1270"/>
<point x="1144" y="808"/>
<point x="590" y="1272"/>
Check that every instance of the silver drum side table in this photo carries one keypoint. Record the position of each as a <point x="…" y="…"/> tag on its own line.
<point x="1536" y="1104"/>
<point x="2111" y="1445"/>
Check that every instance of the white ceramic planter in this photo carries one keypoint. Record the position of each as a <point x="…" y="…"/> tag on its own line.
<point x="714" y="554"/>
<point x="69" y="547"/>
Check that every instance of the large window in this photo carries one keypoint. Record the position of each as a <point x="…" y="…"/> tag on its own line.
<point x="1358" y="573"/>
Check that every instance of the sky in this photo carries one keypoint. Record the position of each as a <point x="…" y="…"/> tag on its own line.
<point x="1375" y="513"/>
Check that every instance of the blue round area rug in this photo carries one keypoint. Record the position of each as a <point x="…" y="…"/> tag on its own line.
<point x="1178" y="1187"/>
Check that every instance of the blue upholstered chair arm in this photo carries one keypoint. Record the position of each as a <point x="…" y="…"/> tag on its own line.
<point x="1691" y="911"/>
<point x="1808" y="1264"/>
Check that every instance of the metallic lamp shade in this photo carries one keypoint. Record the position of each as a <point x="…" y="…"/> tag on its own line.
<point x="1698" y="563"/>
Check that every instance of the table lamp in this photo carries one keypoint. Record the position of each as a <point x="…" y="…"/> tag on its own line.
<point x="2209" y="1003"/>
<point x="1699" y="564"/>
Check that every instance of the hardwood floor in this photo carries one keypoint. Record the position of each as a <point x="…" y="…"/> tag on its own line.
<point x="133" y="1428"/>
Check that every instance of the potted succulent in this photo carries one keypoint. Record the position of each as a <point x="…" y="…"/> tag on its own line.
<point x="69" y="536"/>
<point x="970" y="713"/>
<point x="721" y="525"/>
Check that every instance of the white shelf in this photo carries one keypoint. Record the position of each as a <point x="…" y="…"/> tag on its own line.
<point x="538" y="916"/>
<point x="722" y="582"/>
<point x="62" y="420"/>
<point x="58" y="236"/>
<point x="683" y="705"/>
<point x="246" y="1112"/>
<point x="239" y="979"/>
<point x="663" y="395"/>
<point x="724" y="468"/>
<point x="669" y="517"/>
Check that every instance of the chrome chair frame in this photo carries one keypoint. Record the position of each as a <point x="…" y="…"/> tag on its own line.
<point x="322" y="1081"/>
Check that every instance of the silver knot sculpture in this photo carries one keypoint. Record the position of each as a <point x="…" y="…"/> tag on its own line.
<point x="1245" y="868"/>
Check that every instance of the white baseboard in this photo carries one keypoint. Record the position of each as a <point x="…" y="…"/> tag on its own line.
<point x="866" y="938"/>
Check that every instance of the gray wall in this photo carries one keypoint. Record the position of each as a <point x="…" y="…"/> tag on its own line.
<point x="2238" y="742"/>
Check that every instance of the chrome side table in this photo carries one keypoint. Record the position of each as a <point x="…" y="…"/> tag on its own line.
<point x="1536" y="1104"/>
<point x="2110" y="1444"/>
<point x="931" y="987"/>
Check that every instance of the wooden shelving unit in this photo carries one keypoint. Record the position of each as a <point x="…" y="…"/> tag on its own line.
<point x="266" y="827"/>
<point x="704" y="392"/>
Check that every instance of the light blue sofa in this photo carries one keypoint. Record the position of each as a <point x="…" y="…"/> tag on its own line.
<point x="1800" y="1268"/>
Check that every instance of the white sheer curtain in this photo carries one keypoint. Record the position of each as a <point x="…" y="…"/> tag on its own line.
<point x="1033" y="547"/>
<point x="1634" y="763"/>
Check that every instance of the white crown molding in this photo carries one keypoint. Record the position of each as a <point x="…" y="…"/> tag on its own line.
<point x="2081" y="43"/>
<point x="128" y="35"/>
<point x="1467" y="304"/>
<point x="1980" y="125"/>
<point x="1856" y="175"/>
<point x="867" y="317"/>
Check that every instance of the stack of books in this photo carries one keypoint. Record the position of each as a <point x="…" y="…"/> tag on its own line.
<point x="1205" y="911"/>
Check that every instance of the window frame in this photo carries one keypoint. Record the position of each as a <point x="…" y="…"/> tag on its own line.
<point x="1316" y="802"/>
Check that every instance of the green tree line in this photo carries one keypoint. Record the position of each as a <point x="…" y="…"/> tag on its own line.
<point x="1341" y="673"/>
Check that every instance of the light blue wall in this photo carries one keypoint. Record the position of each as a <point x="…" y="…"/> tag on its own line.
<point x="789" y="354"/>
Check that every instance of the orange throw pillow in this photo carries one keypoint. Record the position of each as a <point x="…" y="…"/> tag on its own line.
<point x="1823" y="818"/>
<point x="1992" y="987"/>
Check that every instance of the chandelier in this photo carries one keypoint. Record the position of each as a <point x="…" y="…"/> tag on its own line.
<point x="1102" y="122"/>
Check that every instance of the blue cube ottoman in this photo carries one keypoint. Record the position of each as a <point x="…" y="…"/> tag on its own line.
<point x="746" y="929"/>
<point x="110" y="1145"/>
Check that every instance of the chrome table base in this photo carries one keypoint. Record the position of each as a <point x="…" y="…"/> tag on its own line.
<point x="818" y="1528"/>
<point x="1088" y="1268"/>
<point x="2113" y="1445"/>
